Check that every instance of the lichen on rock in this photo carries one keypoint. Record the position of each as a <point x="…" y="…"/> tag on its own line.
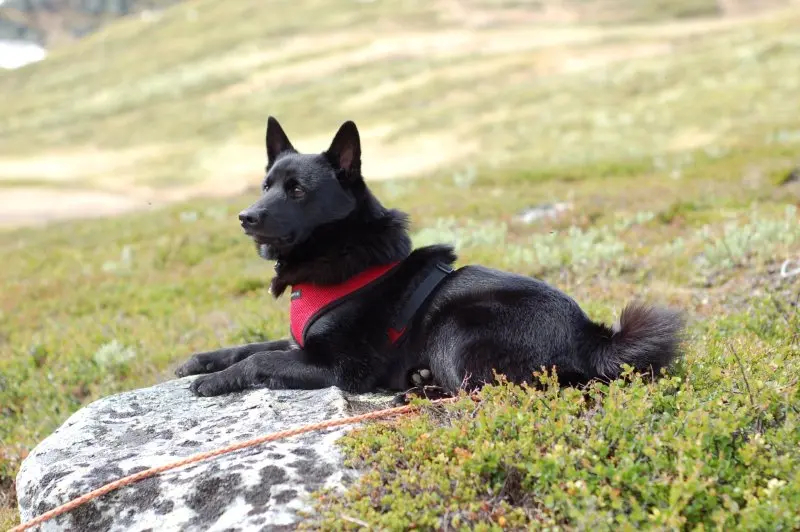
<point x="258" y="487"/>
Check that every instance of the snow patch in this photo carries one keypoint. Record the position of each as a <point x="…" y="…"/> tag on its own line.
<point x="15" y="54"/>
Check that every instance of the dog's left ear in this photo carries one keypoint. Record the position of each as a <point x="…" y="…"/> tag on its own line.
<point x="344" y="152"/>
<point x="277" y="141"/>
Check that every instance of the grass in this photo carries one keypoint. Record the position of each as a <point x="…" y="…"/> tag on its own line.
<point x="92" y="308"/>
<point x="670" y="163"/>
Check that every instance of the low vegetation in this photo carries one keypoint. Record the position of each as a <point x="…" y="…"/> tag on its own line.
<point x="686" y="453"/>
<point x="666" y="170"/>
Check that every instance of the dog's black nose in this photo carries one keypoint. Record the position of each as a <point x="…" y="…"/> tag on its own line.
<point x="250" y="218"/>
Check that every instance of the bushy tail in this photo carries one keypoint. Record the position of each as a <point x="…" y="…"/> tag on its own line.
<point x="645" y="337"/>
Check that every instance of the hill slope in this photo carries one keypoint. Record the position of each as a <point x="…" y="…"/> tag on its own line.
<point x="57" y="22"/>
<point x="165" y="109"/>
<point x="669" y="148"/>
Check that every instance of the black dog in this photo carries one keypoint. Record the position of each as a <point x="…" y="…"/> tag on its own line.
<point x="368" y="312"/>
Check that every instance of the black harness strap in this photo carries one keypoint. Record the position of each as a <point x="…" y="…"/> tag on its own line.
<point x="418" y="296"/>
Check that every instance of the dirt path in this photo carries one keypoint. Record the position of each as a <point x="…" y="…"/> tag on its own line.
<point x="39" y="205"/>
<point x="94" y="184"/>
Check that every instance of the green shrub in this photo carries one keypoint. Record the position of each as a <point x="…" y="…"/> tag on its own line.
<point x="759" y="239"/>
<point x="624" y="456"/>
<point x="573" y="248"/>
<point x="713" y="444"/>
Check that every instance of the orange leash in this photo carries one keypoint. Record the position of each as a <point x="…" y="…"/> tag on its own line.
<point x="130" y="479"/>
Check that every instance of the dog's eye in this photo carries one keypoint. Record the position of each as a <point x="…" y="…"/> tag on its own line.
<point x="296" y="191"/>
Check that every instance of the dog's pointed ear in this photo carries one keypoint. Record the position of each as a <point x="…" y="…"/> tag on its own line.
<point x="344" y="152"/>
<point x="277" y="141"/>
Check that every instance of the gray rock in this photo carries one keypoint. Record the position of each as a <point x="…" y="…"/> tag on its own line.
<point x="543" y="211"/>
<point x="251" y="489"/>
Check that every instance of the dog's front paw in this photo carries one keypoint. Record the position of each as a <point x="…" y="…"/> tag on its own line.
<point x="221" y="383"/>
<point x="201" y="363"/>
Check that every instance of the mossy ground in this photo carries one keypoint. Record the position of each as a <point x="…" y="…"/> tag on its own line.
<point x="685" y="453"/>
<point x="670" y="166"/>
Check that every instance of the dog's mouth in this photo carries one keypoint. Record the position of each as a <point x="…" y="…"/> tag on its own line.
<point x="264" y="251"/>
<point x="270" y="240"/>
<point x="267" y="246"/>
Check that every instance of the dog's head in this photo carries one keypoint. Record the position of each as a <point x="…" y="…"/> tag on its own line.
<point x="302" y="192"/>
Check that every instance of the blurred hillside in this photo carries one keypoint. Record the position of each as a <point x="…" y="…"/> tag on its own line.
<point x="156" y="109"/>
<point x="56" y="22"/>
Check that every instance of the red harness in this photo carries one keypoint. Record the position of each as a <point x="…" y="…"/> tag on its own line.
<point x="309" y="301"/>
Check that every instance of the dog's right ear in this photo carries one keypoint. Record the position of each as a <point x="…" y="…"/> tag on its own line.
<point x="277" y="141"/>
<point x="344" y="153"/>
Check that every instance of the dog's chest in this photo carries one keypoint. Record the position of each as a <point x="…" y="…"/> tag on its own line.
<point x="310" y="302"/>
<point x="315" y="304"/>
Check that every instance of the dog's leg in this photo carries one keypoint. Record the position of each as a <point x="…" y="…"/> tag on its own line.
<point x="213" y="361"/>
<point x="421" y="377"/>
<point x="276" y="370"/>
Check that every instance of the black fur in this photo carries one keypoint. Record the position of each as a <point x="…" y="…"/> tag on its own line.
<point x="319" y="221"/>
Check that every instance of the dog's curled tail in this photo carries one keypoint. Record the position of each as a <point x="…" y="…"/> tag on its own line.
<point x="645" y="337"/>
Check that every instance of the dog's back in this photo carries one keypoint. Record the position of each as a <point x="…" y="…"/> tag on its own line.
<point x="483" y="319"/>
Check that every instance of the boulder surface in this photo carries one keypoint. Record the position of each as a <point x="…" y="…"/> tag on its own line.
<point x="259" y="488"/>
